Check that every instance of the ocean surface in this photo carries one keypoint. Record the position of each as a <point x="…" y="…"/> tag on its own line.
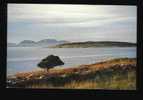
<point x="22" y="59"/>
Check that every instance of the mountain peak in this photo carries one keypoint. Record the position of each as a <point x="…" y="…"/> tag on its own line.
<point x="27" y="41"/>
<point x="47" y="41"/>
<point x="43" y="42"/>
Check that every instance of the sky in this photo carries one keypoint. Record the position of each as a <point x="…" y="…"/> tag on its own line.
<point x="75" y="23"/>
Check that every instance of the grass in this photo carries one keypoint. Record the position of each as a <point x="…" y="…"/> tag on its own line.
<point x="114" y="81"/>
<point x="111" y="74"/>
<point x="119" y="82"/>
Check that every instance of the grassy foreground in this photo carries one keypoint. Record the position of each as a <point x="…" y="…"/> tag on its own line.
<point x="111" y="74"/>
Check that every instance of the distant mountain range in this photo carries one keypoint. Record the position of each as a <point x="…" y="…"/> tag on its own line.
<point x="41" y="43"/>
<point x="52" y="43"/>
<point x="94" y="44"/>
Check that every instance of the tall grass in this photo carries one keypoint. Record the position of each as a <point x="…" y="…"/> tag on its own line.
<point x="115" y="81"/>
<point x="113" y="74"/>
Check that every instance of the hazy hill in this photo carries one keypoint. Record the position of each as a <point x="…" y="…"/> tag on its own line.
<point x="94" y="44"/>
<point x="27" y="43"/>
<point x="43" y="43"/>
<point x="50" y="42"/>
<point x="11" y="44"/>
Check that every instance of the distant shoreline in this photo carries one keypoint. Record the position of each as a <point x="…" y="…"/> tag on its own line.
<point x="67" y="44"/>
<point x="94" y="44"/>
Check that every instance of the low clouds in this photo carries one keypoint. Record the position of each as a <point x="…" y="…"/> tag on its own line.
<point x="71" y="22"/>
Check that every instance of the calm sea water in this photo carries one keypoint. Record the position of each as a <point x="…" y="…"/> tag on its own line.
<point x="21" y="59"/>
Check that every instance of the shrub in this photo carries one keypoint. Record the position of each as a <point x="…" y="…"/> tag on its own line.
<point x="50" y="62"/>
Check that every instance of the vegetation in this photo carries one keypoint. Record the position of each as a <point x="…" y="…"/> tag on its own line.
<point x="111" y="74"/>
<point x="50" y="62"/>
<point x="94" y="44"/>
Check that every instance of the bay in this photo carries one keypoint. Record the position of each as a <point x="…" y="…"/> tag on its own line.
<point x="22" y="59"/>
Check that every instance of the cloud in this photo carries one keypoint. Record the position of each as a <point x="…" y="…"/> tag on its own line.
<point x="58" y="13"/>
<point x="73" y="22"/>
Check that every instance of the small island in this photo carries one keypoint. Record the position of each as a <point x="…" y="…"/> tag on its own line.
<point x="94" y="44"/>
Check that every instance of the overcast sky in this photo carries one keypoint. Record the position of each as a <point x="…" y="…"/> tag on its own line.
<point x="71" y="22"/>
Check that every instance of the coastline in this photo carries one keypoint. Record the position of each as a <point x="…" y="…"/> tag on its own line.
<point x="93" y="44"/>
<point x="59" y="78"/>
<point x="71" y="57"/>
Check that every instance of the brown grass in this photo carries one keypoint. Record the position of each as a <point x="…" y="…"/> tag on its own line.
<point x="82" y="68"/>
<point x="114" y="82"/>
<point x="110" y="74"/>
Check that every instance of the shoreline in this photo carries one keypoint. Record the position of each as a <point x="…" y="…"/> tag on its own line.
<point x="65" y="66"/>
<point x="82" y="72"/>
